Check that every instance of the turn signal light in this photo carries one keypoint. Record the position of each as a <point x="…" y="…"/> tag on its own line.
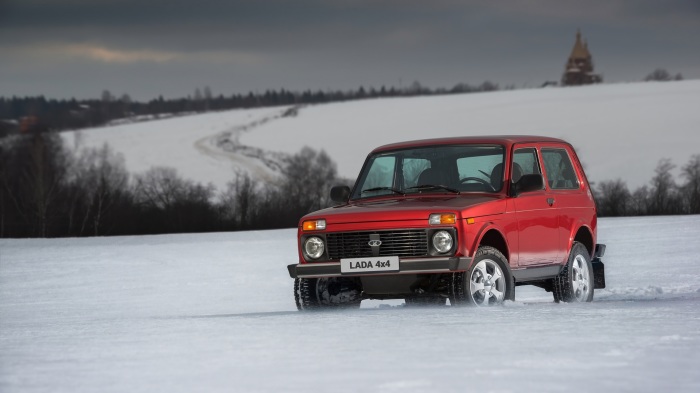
<point x="442" y="219"/>
<point x="314" y="225"/>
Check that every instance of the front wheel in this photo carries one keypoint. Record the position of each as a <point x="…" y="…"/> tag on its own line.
<point x="575" y="282"/>
<point x="487" y="282"/>
<point x="319" y="293"/>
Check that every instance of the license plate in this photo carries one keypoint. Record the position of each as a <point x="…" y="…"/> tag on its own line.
<point x="369" y="265"/>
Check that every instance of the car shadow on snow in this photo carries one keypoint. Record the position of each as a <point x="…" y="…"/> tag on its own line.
<point x="605" y="300"/>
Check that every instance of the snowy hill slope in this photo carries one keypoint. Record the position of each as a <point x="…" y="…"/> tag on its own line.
<point x="202" y="147"/>
<point x="215" y="313"/>
<point x="619" y="131"/>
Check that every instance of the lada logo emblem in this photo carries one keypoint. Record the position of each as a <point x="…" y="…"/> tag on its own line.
<point x="375" y="243"/>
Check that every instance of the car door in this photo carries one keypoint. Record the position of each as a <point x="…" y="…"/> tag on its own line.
<point x="536" y="215"/>
<point x="566" y="187"/>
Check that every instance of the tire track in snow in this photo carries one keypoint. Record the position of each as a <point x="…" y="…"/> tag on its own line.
<point x="226" y="145"/>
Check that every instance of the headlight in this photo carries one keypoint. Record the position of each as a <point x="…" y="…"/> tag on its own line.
<point x="314" y="247"/>
<point x="442" y="241"/>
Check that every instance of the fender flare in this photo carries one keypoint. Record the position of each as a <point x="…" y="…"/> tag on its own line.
<point x="485" y="228"/>
<point x="575" y="229"/>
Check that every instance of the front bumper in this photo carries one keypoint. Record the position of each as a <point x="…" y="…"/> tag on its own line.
<point x="406" y="266"/>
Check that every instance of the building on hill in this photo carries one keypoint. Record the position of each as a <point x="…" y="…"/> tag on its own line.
<point x="579" y="67"/>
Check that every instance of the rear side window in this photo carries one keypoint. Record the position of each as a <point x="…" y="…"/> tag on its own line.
<point x="560" y="171"/>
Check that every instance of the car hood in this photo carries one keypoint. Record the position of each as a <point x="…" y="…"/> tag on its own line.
<point x="411" y="208"/>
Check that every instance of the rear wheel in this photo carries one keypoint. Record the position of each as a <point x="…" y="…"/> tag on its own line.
<point x="487" y="282"/>
<point x="318" y="293"/>
<point x="575" y="282"/>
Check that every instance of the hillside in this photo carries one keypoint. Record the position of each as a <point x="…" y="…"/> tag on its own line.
<point x="619" y="130"/>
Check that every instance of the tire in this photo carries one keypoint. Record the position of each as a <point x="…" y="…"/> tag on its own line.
<point x="487" y="282"/>
<point x="331" y="292"/>
<point x="575" y="282"/>
<point x="425" y="301"/>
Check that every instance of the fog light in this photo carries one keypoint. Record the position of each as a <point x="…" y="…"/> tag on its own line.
<point x="314" y="247"/>
<point x="442" y="241"/>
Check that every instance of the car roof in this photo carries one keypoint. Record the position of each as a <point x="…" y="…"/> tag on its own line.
<point x="506" y="140"/>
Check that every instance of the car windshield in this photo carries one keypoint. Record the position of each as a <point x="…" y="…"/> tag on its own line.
<point x="435" y="169"/>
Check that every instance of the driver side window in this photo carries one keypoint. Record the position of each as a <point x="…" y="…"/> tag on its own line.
<point x="525" y="162"/>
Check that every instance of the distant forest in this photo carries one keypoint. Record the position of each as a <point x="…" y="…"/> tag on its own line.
<point x="49" y="190"/>
<point x="57" y="115"/>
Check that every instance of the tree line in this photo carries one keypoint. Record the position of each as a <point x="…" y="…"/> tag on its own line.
<point x="64" y="114"/>
<point x="663" y="195"/>
<point x="49" y="190"/>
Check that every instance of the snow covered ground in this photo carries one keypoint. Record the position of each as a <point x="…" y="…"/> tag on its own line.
<point x="619" y="130"/>
<point x="195" y="145"/>
<point x="215" y="313"/>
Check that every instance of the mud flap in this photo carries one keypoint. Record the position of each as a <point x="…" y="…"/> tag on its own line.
<point x="598" y="273"/>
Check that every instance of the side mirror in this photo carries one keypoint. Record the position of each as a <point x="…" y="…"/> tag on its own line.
<point x="527" y="183"/>
<point x="340" y="194"/>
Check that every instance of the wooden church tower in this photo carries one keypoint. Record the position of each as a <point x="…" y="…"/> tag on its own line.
<point x="579" y="67"/>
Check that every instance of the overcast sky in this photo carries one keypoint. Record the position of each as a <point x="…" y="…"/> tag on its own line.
<point x="146" y="48"/>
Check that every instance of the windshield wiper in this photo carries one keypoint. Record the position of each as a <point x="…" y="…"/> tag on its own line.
<point x="433" y="186"/>
<point x="384" y="189"/>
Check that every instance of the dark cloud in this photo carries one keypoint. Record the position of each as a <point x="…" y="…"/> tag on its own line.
<point x="242" y="45"/>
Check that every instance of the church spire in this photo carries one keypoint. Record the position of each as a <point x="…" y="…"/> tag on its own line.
<point x="579" y="66"/>
<point x="580" y="50"/>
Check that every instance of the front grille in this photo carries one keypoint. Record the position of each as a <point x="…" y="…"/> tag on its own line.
<point x="405" y="243"/>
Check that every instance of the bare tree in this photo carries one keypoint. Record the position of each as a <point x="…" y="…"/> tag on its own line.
<point x="663" y="198"/>
<point x="613" y="198"/>
<point x="101" y="177"/>
<point x="159" y="187"/>
<point x="309" y="177"/>
<point x="32" y="186"/>
<point x="240" y="200"/>
<point x="180" y="205"/>
<point x="198" y="100"/>
<point x="207" y="97"/>
<point x="639" y="203"/>
<point x="659" y="74"/>
<point x="691" y="188"/>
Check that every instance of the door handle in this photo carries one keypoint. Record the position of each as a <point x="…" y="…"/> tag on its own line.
<point x="550" y="201"/>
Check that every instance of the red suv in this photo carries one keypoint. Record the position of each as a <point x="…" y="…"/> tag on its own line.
<point x="467" y="219"/>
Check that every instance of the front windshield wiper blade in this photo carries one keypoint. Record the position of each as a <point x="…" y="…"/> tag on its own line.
<point x="432" y="186"/>
<point x="384" y="189"/>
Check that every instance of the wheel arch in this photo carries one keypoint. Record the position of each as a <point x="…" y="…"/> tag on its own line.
<point x="491" y="236"/>
<point x="584" y="235"/>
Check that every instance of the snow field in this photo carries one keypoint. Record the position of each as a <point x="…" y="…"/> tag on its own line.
<point x="215" y="312"/>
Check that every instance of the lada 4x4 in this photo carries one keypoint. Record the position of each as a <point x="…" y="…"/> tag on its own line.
<point x="465" y="219"/>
